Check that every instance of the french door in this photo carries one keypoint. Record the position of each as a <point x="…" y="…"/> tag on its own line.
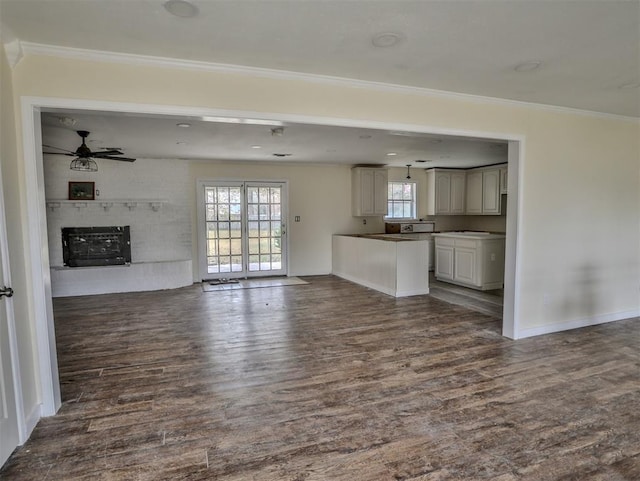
<point x="242" y="229"/>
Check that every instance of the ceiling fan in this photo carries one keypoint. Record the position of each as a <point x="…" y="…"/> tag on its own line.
<point x="85" y="157"/>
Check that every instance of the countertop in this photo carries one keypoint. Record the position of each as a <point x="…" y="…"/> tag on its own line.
<point x="470" y="235"/>
<point x="382" y="237"/>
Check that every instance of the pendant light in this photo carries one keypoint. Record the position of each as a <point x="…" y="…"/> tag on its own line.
<point x="408" y="171"/>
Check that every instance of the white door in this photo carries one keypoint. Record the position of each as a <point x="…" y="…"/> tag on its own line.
<point x="9" y="433"/>
<point x="243" y="226"/>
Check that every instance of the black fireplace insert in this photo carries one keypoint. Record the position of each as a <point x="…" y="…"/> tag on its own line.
<point x="96" y="246"/>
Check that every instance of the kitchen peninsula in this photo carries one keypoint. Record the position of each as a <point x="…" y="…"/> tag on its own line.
<point x="386" y="263"/>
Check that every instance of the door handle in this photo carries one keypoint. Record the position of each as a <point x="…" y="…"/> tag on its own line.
<point x="6" y="291"/>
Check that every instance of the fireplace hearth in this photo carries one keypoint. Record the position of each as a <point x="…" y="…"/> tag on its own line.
<point x="96" y="246"/>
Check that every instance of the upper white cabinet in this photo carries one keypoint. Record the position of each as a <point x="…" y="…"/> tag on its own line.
<point x="504" y="179"/>
<point x="445" y="192"/>
<point x="484" y="187"/>
<point x="369" y="191"/>
<point x="474" y="193"/>
<point x="491" y="191"/>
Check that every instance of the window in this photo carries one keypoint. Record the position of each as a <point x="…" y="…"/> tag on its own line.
<point x="401" y="200"/>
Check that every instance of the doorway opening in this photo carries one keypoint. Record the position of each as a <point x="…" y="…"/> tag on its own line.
<point x="36" y="210"/>
<point x="242" y="229"/>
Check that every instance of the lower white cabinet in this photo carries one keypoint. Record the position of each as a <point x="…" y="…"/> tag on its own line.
<point x="473" y="260"/>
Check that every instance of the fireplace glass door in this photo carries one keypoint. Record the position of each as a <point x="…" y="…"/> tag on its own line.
<point x="244" y="230"/>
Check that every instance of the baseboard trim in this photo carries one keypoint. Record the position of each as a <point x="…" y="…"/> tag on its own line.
<point x="31" y="421"/>
<point x="577" y="324"/>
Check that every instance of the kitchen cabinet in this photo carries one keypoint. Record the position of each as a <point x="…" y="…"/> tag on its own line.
<point x="504" y="178"/>
<point x="483" y="192"/>
<point x="470" y="259"/>
<point x="369" y="191"/>
<point x="474" y="193"/>
<point x="445" y="192"/>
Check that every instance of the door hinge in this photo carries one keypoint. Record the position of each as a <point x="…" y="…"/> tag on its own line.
<point x="6" y="291"/>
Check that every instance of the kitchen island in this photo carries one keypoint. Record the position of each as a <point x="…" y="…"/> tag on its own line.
<point x="392" y="265"/>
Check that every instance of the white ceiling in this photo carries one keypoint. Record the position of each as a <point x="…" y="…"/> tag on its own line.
<point x="588" y="51"/>
<point x="161" y="137"/>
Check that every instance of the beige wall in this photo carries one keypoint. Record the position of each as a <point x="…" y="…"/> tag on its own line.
<point x="319" y="194"/>
<point x="12" y="179"/>
<point x="580" y="213"/>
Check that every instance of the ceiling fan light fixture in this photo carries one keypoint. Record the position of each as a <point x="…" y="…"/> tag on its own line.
<point x="83" y="164"/>
<point x="181" y="8"/>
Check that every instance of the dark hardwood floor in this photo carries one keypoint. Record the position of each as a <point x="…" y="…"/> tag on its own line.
<point x="330" y="381"/>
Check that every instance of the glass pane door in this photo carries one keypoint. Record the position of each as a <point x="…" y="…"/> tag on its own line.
<point x="264" y="227"/>
<point x="244" y="229"/>
<point x="223" y="208"/>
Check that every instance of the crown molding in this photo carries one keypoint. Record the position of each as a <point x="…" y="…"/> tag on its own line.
<point x="180" y="64"/>
<point x="14" y="52"/>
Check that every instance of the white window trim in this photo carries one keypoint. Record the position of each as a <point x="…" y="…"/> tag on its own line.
<point x="415" y="200"/>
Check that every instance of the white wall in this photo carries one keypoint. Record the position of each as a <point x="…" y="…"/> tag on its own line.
<point x="576" y="167"/>
<point x="163" y="235"/>
<point x="14" y="197"/>
<point x="319" y="194"/>
<point x="579" y="219"/>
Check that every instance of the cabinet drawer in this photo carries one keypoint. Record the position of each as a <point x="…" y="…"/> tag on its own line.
<point x="469" y="244"/>
<point x="445" y="241"/>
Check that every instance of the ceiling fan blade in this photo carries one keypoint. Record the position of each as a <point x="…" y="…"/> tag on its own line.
<point x="59" y="153"/>
<point x="71" y="152"/>
<point x="106" y="152"/>
<point x="124" y="159"/>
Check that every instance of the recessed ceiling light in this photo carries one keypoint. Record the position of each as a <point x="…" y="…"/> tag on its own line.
<point x="386" y="39"/>
<point x="238" y="120"/>
<point x="67" y="121"/>
<point x="630" y="85"/>
<point x="180" y="8"/>
<point x="391" y="154"/>
<point x="527" y="66"/>
<point x="256" y="146"/>
<point x="184" y="125"/>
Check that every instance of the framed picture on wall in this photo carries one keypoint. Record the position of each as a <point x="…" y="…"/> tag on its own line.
<point x="82" y="190"/>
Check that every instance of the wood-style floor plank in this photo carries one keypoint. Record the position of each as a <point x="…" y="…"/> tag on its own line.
<point x="330" y="381"/>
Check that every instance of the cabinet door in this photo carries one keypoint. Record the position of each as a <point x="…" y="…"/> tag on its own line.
<point x="443" y="193"/>
<point x="367" y="186"/>
<point x="458" y="181"/>
<point x="380" y="191"/>
<point x="474" y="193"/>
<point x="444" y="262"/>
<point x="491" y="192"/>
<point x="465" y="265"/>
<point x="504" y="179"/>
